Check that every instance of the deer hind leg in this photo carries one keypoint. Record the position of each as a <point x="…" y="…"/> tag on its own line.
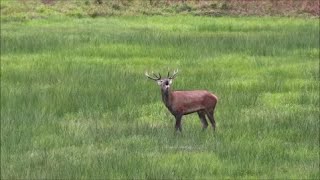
<point x="203" y="119"/>
<point x="210" y="115"/>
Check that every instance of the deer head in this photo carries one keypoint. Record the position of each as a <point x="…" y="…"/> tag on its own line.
<point x="164" y="83"/>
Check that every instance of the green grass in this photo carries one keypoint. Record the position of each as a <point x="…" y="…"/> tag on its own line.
<point x="75" y="102"/>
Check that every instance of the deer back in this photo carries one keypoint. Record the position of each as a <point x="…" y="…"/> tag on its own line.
<point x="185" y="102"/>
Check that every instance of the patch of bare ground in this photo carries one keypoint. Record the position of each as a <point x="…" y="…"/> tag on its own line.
<point x="93" y="8"/>
<point x="258" y="7"/>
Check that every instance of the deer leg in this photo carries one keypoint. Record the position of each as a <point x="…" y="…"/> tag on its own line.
<point x="203" y="119"/>
<point x="211" y="118"/>
<point x="178" y="123"/>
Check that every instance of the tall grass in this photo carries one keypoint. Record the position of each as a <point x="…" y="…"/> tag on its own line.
<point x="75" y="102"/>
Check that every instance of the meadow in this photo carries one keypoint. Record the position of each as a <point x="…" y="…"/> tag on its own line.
<point x="75" y="102"/>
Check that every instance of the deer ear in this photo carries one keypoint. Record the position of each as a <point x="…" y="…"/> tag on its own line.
<point x="159" y="82"/>
<point x="170" y="81"/>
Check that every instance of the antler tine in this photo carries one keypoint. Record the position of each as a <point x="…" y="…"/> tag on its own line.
<point x="159" y="77"/>
<point x="175" y="72"/>
<point x="155" y="79"/>
<point x="168" y="76"/>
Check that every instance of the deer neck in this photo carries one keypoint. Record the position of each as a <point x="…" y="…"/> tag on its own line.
<point x="167" y="98"/>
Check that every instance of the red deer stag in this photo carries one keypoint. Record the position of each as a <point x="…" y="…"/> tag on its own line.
<point x="181" y="103"/>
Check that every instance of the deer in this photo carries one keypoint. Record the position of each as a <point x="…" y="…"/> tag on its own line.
<point x="181" y="103"/>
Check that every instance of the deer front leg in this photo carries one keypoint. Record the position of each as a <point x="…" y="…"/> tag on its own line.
<point x="178" y="123"/>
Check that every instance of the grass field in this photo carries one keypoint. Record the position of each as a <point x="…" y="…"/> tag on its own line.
<point x="75" y="102"/>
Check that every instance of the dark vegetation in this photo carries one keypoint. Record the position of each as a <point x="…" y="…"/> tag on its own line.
<point x="27" y="9"/>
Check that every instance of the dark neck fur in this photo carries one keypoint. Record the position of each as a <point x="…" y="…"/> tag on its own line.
<point x="166" y="98"/>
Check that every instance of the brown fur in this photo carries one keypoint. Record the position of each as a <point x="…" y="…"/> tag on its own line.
<point x="181" y="103"/>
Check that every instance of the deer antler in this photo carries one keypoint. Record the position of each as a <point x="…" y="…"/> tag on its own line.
<point x="173" y="75"/>
<point x="155" y="78"/>
<point x="159" y="77"/>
